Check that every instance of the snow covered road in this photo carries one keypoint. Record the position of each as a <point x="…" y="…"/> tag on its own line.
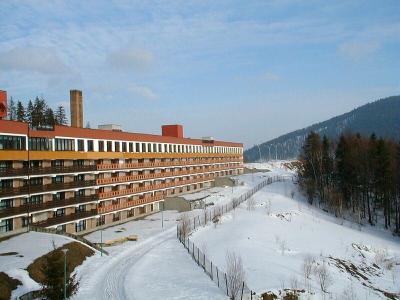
<point x="110" y="273"/>
<point x="157" y="267"/>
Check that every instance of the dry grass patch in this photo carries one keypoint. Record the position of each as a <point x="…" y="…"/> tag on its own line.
<point x="7" y="285"/>
<point x="76" y="254"/>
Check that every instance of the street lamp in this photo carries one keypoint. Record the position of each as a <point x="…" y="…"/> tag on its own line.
<point x="65" y="272"/>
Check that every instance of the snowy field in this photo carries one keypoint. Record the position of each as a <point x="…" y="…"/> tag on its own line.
<point x="28" y="247"/>
<point x="275" y="238"/>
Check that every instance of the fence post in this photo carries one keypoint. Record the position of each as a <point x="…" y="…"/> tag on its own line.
<point x="226" y="283"/>
<point x="241" y="297"/>
<point x="212" y="275"/>
<point x="217" y="276"/>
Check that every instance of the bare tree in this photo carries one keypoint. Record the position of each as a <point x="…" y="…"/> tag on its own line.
<point x="307" y="268"/>
<point x="217" y="216"/>
<point x="324" y="277"/>
<point x="184" y="226"/>
<point x="250" y="204"/>
<point x="268" y="207"/>
<point x="235" y="274"/>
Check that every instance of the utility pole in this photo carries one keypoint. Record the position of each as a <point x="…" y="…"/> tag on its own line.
<point x="65" y="272"/>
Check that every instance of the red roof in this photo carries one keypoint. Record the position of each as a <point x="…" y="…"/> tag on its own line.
<point x="16" y="127"/>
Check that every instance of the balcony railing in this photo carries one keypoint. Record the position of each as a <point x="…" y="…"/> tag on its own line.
<point x="67" y="218"/>
<point x="10" y="172"/>
<point x="151" y="187"/>
<point x="129" y="204"/>
<point x="119" y="179"/>
<point x="163" y="164"/>
<point x="5" y="192"/>
<point x="23" y="209"/>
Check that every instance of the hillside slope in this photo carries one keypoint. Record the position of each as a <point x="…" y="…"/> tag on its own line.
<point x="381" y="117"/>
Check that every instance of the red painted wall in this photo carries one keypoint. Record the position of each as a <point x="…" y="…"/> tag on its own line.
<point x="3" y="104"/>
<point x="172" y="130"/>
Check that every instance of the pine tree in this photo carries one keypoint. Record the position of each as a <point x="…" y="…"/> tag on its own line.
<point x="12" y="112"/>
<point x="49" y="117"/>
<point x="21" y="114"/>
<point x="29" y="112"/>
<point x="53" y="272"/>
<point x="60" y="116"/>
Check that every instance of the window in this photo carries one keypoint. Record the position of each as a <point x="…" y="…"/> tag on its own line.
<point x="124" y="147"/>
<point x="159" y="148"/>
<point x="101" y="146"/>
<point x="109" y="146"/>
<point x="6" y="225"/>
<point x="143" y="147"/>
<point x="58" y="179"/>
<point x="65" y="145"/>
<point x="116" y="147"/>
<point x="80" y="208"/>
<point x="6" y="183"/>
<point x="81" y="145"/>
<point x="59" y="212"/>
<point x="149" y="148"/>
<point x="80" y="226"/>
<point x="90" y="145"/>
<point x="6" y="203"/>
<point x="36" y="199"/>
<point x="131" y="147"/>
<point x="79" y="193"/>
<point x="80" y="177"/>
<point x="57" y="163"/>
<point x="9" y="142"/>
<point x="79" y="162"/>
<point x="36" y="181"/>
<point x="101" y="220"/>
<point x="137" y="147"/>
<point x="116" y="216"/>
<point x="39" y="144"/>
<point x="59" y="196"/>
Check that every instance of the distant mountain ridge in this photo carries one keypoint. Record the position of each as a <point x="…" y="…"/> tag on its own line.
<point x="381" y="117"/>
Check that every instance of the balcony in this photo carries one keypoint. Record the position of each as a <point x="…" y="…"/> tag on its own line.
<point x="129" y="204"/>
<point x="152" y="187"/>
<point x="163" y="164"/>
<point x="66" y="218"/>
<point x="111" y="180"/>
<point x="23" y="190"/>
<point x="45" y="170"/>
<point x="23" y="209"/>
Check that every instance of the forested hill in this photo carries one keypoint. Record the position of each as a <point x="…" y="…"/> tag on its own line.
<point x="381" y="117"/>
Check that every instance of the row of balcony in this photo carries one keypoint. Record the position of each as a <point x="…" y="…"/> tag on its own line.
<point x="128" y="204"/>
<point x="117" y="166"/>
<point x="31" y="208"/>
<point x="124" y="192"/>
<point x="10" y="172"/>
<point x="119" y="179"/>
<point x="79" y="200"/>
<point x="31" y="189"/>
<point x="100" y="210"/>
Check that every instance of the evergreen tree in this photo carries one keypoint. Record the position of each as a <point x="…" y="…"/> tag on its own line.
<point x="21" y="114"/>
<point x="49" y="117"/>
<point x="60" y="116"/>
<point x="12" y="112"/>
<point x="29" y="112"/>
<point x="53" y="272"/>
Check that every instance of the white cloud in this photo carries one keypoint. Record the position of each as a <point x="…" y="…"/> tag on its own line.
<point x="269" y="76"/>
<point x="130" y="59"/>
<point x="357" y="50"/>
<point x="143" y="91"/>
<point x="34" y="59"/>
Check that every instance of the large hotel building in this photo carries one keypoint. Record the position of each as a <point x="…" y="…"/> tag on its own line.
<point x="78" y="180"/>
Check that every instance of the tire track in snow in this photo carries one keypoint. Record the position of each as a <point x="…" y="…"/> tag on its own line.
<point x="108" y="280"/>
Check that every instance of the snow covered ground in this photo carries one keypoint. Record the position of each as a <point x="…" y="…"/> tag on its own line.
<point x="28" y="247"/>
<point x="274" y="239"/>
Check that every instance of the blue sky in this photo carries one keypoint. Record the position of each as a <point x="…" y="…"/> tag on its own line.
<point x="237" y="70"/>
